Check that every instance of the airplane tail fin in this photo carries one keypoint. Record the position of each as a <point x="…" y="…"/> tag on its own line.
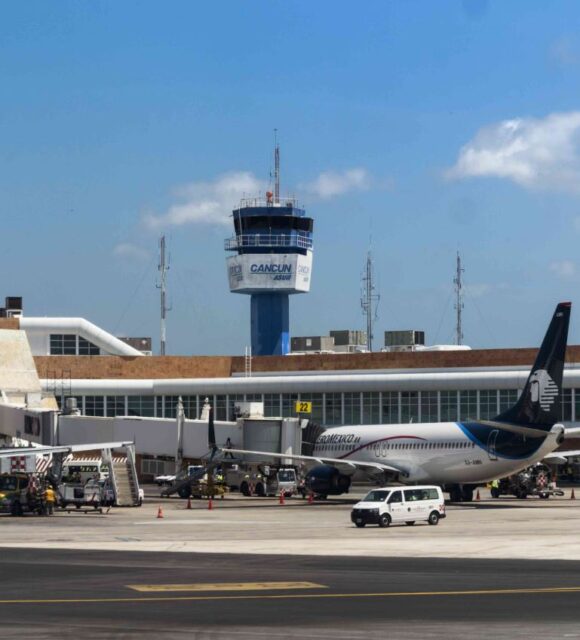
<point x="539" y="404"/>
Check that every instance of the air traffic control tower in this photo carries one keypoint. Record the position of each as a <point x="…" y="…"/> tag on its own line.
<point x="272" y="259"/>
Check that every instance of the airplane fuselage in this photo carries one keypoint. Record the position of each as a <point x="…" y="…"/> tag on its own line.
<point x="441" y="453"/>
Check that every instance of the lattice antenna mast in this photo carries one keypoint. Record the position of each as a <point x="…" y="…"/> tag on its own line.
<point x="458" y="282"/>
<point x="276" y="168"/>
<point x="163" y="269"/>
<point x="369" y="300"/>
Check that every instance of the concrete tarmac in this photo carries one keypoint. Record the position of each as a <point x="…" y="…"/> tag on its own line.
<point x="504" y="528"/>
<point x="89" y="594"/>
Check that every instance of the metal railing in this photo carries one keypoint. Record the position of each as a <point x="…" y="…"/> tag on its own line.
<point x="268" y="202"/>
<point x="298" y="240"/>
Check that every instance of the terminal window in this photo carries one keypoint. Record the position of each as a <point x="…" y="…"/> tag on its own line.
<point x="63" y="344"/>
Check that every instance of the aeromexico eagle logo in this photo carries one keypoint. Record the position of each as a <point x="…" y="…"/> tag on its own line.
<point x="543" y="389"/>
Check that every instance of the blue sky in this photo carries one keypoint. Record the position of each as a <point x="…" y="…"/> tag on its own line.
<point x="432" y="126"/>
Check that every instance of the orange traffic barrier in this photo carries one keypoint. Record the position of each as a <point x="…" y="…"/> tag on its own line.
<point x="189" y="502"/>
<point x="310" y="498"/>
<point x="477" y="496"/>
<point x="160" y="512"/>
<point x="572" y="495"/>
<point x="210" y="504"/>
<point x="282" y="497"/>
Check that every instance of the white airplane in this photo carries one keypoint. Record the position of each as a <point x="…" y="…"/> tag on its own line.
<point x="456" y="455"/>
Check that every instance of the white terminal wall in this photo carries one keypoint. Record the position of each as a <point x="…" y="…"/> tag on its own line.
<point x="39" y="330"/>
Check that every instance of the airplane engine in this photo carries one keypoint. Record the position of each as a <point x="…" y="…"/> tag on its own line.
<point x="327" y="481"/>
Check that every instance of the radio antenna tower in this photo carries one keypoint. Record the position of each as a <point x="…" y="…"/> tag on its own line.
<point x="163" y="269"/>
<point x="458" y="282"/>
<point x="276" y="168"/>
<point x="369" y="300"/>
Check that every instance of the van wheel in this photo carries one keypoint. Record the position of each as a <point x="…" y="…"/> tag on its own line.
<point x="360" y="525"/>
<point x="433" y="518"/>
<point x="384" y="520"/>
<point x="410" y="523"/>
<point x="260" y="491"/>
<point x="245" y="490"/>
<point x="184" y="492"/>
<point x="16" y="509"/>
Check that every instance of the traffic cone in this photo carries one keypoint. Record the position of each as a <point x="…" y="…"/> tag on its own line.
<point x="160" y="512"/>
<point x="189" y="502"/>
<point x="281" y="497"/>
<point x="310" y="498"/>
<point x="478" y="497"/>
<point x="210" y="504"/>
<point x="572" y="495"/>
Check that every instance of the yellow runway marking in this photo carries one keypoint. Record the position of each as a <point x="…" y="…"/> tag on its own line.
<point x="226" y="586"/>
<point x="301" y="596"/>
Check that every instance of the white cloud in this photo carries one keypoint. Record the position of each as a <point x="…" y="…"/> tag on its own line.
<point x="330" y="184"/>
<point x="563" y="269"/>
<point x="207" y="202"/>
<point x="131" y="251"/>
<point x="534" y="153"/>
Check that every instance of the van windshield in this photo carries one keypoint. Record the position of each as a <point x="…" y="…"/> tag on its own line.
<point x="286" y="475"/>
<point x="376" y="496"/>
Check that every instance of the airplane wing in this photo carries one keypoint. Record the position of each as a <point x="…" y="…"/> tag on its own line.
<point x="561" y="457"/>
<point x="335" y="462"/>
<point x="70" y="448"/>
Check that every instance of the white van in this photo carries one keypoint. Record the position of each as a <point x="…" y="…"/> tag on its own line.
<point x="398" y="505"/>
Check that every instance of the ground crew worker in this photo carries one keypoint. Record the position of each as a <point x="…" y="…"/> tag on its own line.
<point x="50" y="499"/>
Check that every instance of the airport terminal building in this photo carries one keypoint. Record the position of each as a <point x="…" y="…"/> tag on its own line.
<point x="109" y="378"/>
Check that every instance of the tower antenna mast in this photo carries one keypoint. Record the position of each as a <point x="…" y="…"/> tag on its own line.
<point x="369" y="301"/>
<point x="276" y="168"/>
<point x="163" y="269"/>
<point x="458" y="282"/>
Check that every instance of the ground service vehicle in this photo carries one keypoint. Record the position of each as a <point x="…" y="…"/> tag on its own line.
<point x="399" y="504"/>
<point x="81" y="471"/>
<point x="262" y="479"/>
<point x="79" y="495"/>
<point x="532" y="481"/>
<point x="13" y="498"/>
